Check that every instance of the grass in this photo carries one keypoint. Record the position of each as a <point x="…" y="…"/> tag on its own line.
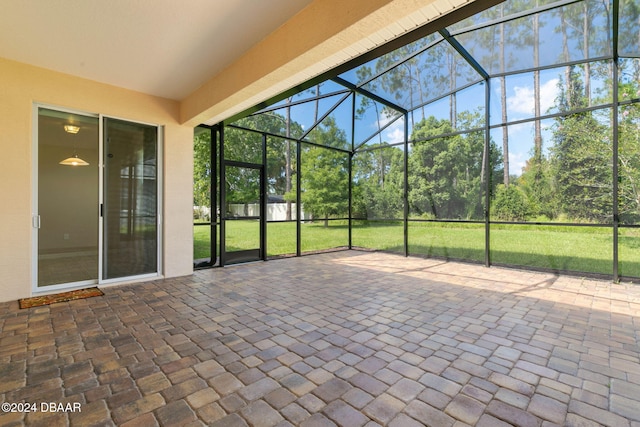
<point x="281" y="237"/>
<point x="201" y="241"/>
<point x="561" y="248"/>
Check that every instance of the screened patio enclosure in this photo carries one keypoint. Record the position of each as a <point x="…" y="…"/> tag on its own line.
<point x="504" y="136"/>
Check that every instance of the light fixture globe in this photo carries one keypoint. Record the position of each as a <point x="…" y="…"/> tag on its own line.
<point x="71" y="129"/>
<point x="74" y="161"/>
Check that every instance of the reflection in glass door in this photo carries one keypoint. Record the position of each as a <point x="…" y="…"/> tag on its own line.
<point x="243" y="216"/>
<point x="130" y="210"/>
<point x="66" y="211"/>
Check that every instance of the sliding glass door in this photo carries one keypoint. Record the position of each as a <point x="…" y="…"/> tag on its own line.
<point x="94" y="224"/>
<point x="130" y="210"/>
<point x="66" y="219"/>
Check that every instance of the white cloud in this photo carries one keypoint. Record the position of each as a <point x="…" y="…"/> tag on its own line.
<point x="517" y="161"/>
<point x="394" y="134"/>
<point x="522" y="101"/>
<point x="383" y="120"/>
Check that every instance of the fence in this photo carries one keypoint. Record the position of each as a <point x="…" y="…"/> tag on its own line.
<point x="275" y="211"/>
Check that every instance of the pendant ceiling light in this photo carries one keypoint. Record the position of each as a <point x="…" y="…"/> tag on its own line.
<point x="71" y="129"/>
<point x="73" y="160"/>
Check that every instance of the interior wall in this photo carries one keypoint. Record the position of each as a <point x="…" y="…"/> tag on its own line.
<point x="80" y="188"/>
<point x="20" y="87"/>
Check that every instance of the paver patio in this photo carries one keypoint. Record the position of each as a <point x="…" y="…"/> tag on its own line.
<point x="346" y="338"/>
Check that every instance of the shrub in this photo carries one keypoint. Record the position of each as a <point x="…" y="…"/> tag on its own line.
<point x="510" y="204"/>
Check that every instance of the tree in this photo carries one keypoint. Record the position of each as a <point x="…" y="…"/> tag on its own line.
<point x="629" y="146"/>
<point x="510" y="204"/>
<point x="588" y="25"/>
<point x="378" y="176"/>
<point x="287" y="165"/>
<point x="629" y="166"/>
<point x="431" y="174"/>
<point x="403" y="75"/>
<point x="581" y="157"/>
<point x="503" y="99"/>
<point x="325" y="182"/>
<point x="364" y="73"/>
<point x="247" y="146"/>
<point x="537" y="140"/>
<point x="325" y="173"/>
<point x="446" y="172"/>
<point x="628" y="27"/>
<point x="537" y="182"/>
<point x="202" y="169"/>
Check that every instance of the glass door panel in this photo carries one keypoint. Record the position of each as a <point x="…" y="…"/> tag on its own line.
<point x="130" y="236"/>
<point x="68" y="198"/>
<point x="243" y="214"/>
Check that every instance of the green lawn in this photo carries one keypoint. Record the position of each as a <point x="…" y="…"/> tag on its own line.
<point x="563" y="248"/>
<point x="281" y="237"/>
<point x="201" y="241"/>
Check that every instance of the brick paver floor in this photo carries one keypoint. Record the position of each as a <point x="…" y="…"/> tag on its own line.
<point x="346" y="338"/>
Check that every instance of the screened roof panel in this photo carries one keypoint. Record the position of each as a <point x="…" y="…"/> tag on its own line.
<point x="363" y="73"/>
<point x="575" y="32"/>
<point x="435" y="75"/>
<point x="464" y="110"/>
<point x="274" y="122"/>
<point x="437" y="71"/>
<point x="341" y="117"/>
<point x="391" y="134"/>
<point x="301" y="116"/>
<point x="587" y="26"/>
<point x="504" y="10"/>
<point x="325" y="88"/>
<point x="371" y="119"/>
<point x="321" y="89"/>
<point x="335" y="128"/>
<point x="629" y="29"/>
